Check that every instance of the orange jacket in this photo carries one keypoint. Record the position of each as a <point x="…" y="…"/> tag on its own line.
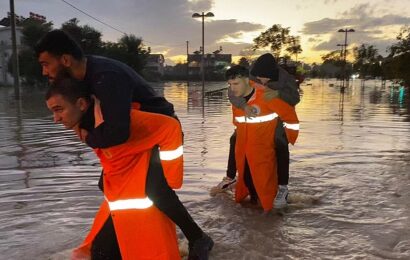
<point x="255" y="142"/>
<point x="143" y="232"/>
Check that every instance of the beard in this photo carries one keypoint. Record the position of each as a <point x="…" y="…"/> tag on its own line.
<point x="62" y="72"/>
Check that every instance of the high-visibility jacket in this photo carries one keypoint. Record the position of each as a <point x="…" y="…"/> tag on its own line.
<point x="255" y="143"/>
<point x="143" y="232"/>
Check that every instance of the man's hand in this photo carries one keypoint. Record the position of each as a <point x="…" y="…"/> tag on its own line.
<point x="81" y="133"/>
<point x="98" y="117"/>
<point x="250" y="111"/>
<point x="270" y="94"/>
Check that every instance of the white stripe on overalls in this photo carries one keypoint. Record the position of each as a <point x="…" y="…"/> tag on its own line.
<point x="130" y="204"/>
<point x="291" y="126"/>
<point x="171" y="155"/>
<point x="256" y="119"/>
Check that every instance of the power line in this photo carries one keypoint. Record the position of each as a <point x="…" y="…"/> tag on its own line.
<point x="92" y="17"/>
<point x="112" y="27"/>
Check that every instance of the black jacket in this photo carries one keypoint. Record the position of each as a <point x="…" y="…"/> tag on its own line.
<point x="117" y="85"/>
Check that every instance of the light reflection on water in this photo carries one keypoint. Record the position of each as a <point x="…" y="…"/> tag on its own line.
<point x="349" y="178"/>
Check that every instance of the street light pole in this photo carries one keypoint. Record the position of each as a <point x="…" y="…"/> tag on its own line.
<point x="16" y="71"/>
<point x="344" y="56"/>
<point x="203" y="15"/>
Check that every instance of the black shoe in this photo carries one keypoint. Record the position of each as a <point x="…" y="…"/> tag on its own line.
<point x="199" y="249"/>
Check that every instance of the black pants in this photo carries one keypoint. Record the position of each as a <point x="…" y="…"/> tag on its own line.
<point x="282" y="155"/>
<point x="164" y="198"/>
<point x="249" y="182"/>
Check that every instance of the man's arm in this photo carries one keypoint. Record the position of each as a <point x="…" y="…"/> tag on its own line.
<point x="115" y="96"/>
<point x="288" y="115"/>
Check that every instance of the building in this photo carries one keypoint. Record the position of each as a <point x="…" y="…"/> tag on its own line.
<point x="6" y="52"/>
<point x="215" y="63"/>
<point x="155" y="64"/>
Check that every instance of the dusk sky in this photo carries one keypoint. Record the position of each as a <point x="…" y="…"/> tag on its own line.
<point x="166" y="25"/>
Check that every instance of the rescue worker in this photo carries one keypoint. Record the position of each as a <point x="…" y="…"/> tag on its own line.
<point x="118" y="86"/>
<point x="266" y="71"/>
<point x="128" y="225"/>
<point x="255" y="146"/>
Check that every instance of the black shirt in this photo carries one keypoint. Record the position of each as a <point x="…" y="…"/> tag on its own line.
<point x="117" y="85"/>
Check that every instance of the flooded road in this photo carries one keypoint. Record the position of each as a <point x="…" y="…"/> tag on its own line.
<point x="349" y="178"/>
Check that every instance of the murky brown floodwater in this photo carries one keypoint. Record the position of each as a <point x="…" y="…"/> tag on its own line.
<point x="351" y="160"/>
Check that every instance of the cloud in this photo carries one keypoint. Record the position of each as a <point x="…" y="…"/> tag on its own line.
<point x="163" y="25"/>
<point x="371" y="30"/>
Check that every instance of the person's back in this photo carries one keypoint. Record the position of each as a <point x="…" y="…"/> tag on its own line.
<point x="102" y="69"/>
<point x="142" y="231"/>
<point x="255" y="144"/>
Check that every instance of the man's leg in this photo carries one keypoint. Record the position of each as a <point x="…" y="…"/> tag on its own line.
<point x="249" y="183"/>
<point x="282" y="154"/>
<point x="231" y="168"/>
<point x="229" y="181"/>
<point x="166" y="200"/>
<point x="282" y="159"/>
<point x="105" y="245"/>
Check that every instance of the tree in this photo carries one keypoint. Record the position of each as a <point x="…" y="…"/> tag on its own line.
<point x="86" y="36"/>
<point x="32" y="31"/>
<point x="367" y="61"/>
<point x="278" y="38"/>
<point x="294" y="48"/>
<point x="396" y="65"/>
<point x="244" y="62"/>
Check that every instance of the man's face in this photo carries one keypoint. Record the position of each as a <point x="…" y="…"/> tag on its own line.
<point x="239" y="86"/>
<point x="65" y="112"/>
<point x="51" y="65"/>
<point x="263" y="80"/>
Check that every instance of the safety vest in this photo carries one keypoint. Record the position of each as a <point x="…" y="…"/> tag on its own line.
<point x="143" y="232"/>
<point x="255" y="142"/>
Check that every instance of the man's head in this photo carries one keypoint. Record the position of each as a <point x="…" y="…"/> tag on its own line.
<point x="265" y="68"/>
<point x="68" y="99"/>
<point x="57" y="51"/>
<point x="238" y="80"/>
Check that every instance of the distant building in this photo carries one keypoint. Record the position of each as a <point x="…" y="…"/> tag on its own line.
<point x="155" y="64"/>
<point x="6" y="52"/>
<point x="215" y="63"/>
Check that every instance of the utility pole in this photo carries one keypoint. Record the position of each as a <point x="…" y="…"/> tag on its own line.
<point x="344" y="57"/>
<point x="187" y="60"/>
<point x="16" y="71"/>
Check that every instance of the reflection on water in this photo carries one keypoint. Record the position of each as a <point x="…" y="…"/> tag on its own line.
<point x="349" y="177"/>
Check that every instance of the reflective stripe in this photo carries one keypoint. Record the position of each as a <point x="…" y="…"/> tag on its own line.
<point x="291" y="126"/>
<point x="171" y="155"/>
<point x="130" y="204"/>
<point x="257" y="119"/>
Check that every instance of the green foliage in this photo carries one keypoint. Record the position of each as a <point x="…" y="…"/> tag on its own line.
<point x="278" y="38"/>
<point x="129" y="50"/>
<point x="397" y="64"/>
<point x="244" y="62"/>
<point x="367" y="61"/>
<point x="30" y="69"/>
<point x="87" y="37"/>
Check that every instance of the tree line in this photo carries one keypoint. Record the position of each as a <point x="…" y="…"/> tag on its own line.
<point x="368" y="63"/>
<point x="128" y="49"/>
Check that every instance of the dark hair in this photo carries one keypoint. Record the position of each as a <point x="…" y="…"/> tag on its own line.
<point x="265" y="66"/>
<point x="71" y="89"/>
<point x="57" y="43"/>
<point x="237" y="71"/>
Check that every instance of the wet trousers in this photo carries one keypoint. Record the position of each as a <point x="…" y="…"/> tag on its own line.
<point x="164" y="198"/>
<point x="282" y="155"/>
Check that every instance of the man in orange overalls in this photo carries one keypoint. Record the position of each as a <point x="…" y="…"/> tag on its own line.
<point x="128" y="225"/>
<point x="255" y="146"/>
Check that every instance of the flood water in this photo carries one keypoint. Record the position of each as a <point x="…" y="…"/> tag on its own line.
<point x="349" y="178"/>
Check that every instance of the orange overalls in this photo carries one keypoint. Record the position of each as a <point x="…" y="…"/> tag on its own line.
<point x="255" y="143"/>
<point x="142" y="231"/>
